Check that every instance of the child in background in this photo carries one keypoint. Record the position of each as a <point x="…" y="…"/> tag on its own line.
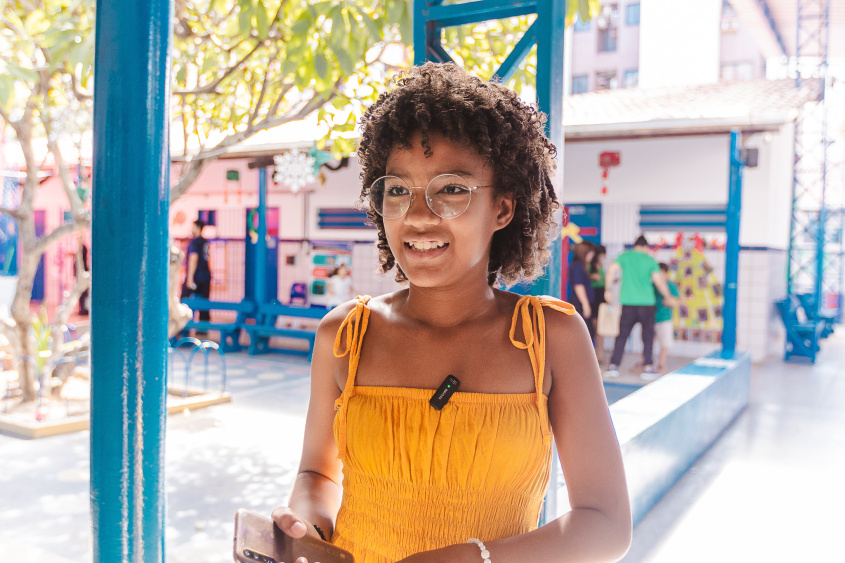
<point x="339" y="287"/>
<point x="664" y="331"/>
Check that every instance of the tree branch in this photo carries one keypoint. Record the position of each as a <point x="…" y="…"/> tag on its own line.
<point x="43" y="242"/>
<point x="13" y="213"/>
<point x="80" y="215"/>
<point x="80" y="95"/>
<point x="211" y="88"/>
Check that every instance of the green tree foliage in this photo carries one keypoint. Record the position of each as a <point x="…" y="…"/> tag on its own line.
<point x="242" y="66"/>
<point x="482" y="47"/>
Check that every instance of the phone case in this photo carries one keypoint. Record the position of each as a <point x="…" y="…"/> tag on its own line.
<point x="258" y="539"/>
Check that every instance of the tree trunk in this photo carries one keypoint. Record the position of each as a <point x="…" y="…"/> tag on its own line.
<point x="22" y="315"/>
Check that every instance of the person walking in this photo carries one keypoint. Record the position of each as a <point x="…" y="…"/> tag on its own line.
<point x="580" y="288"/>
<point x="664" y="331"/>
<point x="597" y="273"/>
<point x="638" y="274"/>
<point x="198" y="280"/>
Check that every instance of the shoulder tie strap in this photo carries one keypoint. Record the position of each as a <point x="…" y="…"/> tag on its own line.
<point x="354" y="325"/>
<point x="530" y="309"/>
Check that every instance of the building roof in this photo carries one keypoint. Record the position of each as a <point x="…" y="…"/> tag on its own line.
<point x="773" y="23"/>
<point x="750" y="105"/>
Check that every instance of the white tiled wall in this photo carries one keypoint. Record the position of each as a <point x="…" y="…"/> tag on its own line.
<point x="761" y="283"/>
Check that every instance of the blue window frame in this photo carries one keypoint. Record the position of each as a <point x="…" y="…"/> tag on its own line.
<point x="580" y="84"/>
<point x="632" y="14"/>
<point x="581" y="26"/>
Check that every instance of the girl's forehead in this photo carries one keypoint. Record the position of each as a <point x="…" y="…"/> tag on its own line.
<point x="442" y="154"/>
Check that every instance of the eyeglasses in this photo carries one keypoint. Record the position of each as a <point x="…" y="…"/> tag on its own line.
<point x="447" y="195"/>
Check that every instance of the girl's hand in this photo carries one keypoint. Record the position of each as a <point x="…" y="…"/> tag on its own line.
<point x="293" y="525"/>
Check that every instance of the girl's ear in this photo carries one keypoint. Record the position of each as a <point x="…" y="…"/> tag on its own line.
<point x="505" y="206"/>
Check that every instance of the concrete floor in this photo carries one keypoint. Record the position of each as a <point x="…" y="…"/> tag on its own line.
<point x="767" y="491"/>
<point x="772" y="488"/>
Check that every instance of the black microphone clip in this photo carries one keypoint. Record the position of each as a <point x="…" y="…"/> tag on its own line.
<point x="444" y="392"/>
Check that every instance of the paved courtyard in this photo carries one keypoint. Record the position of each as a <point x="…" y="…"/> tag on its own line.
<point x="769" y="490"/>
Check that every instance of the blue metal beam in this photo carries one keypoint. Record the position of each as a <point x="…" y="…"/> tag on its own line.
<point x="518" y="54"/>
<point x="131" y="201"/>
<point x="732" y="245"/>
<point x="261" y="243"/>
<point x="479" y="11"/>
<point x="767" y="13"/>
<point x="551" y="17"/>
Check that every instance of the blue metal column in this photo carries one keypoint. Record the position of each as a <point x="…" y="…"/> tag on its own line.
<point x="547" y="32"/>
<point x="131" y="199"/>
<point x="732" y="246"/>
<point x="551" y="16"/>
<point x="261" y="244"/>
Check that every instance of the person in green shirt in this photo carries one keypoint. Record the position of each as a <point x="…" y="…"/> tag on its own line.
<point x="664" y="331"/>
<point x="639" y="274"/>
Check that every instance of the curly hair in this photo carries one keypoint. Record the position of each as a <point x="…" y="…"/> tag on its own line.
<point x="505" y="131"/>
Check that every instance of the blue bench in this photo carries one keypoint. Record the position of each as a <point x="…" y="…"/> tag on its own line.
<point x="808" y="303"/>
<point x="802" y="335"/>
<point x="265" y="327"/>
<point x="229" y="332"/>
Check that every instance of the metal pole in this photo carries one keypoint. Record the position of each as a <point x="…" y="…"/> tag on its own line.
<point x="551" y="16"/>
<point x="732" y="246"/>
<point x="261" y="246"/>
<point x="131" y="200"/>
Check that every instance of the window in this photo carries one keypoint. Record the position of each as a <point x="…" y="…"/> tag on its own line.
<point x="607" y="23"/>
<point x="581" y="26"/>
<point x="738" y="71"/>
<point x="632" y="78"/>
<point x="580" y="84"/>
<point x="606" y="80"/>
<point x="632" y="14"/>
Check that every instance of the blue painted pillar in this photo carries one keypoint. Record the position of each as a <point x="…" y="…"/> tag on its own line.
<point x="551" y="16"/>
<point x="131" y="200"/>
<point x="261" y="244"/>
<point x="732" y="245"/>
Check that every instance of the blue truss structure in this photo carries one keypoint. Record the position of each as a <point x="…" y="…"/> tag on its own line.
<point x="432" y="16"/>
<point x="814" y="263"/>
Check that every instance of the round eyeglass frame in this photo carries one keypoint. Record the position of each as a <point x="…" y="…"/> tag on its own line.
<point x="427" y="198"/>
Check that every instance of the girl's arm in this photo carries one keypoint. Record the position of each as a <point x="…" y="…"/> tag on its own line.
<point x="598" y="528"/>
<point x="316" y="494"/>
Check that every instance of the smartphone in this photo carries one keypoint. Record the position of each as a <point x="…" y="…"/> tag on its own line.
<point x="258" y="539"/>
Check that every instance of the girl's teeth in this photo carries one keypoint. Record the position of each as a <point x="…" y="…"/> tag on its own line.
<point x="425" y="245"/>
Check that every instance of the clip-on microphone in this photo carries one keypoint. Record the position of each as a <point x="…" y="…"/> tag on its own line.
<point x="444" y="392"/>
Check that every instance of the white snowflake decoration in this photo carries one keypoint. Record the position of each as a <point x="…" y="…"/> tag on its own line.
<point x="294" y="168"/>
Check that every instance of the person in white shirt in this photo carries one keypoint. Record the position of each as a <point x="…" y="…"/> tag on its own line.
<point x="339" y="287"/>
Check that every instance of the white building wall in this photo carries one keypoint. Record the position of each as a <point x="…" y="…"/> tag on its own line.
<point x="683" y="36"/>
<point x="694" y="170"/>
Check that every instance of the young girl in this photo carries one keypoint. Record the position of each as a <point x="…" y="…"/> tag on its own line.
<point x="456" y="173"/>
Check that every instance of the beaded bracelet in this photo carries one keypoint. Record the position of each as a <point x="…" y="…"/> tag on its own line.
<point x="485" y="555"/>
<point x="319" y="531"/>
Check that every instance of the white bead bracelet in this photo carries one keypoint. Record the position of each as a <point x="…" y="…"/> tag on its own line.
<point x="485" y="555"/>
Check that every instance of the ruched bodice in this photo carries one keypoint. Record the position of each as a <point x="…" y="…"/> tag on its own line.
<point x="415" y="478"/>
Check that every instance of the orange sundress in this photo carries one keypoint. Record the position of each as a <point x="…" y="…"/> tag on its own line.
<point x="416" y="479"/>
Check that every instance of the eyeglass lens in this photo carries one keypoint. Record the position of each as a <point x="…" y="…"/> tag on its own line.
<point x="447" y="196"/>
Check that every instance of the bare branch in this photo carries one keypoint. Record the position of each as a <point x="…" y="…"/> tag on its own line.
<point x="58" y="233"/>
<point x="80" y="95"/>
<point x="212" y="88"/>
<point x="76" y="208"/>
<point x="13" y="213"/>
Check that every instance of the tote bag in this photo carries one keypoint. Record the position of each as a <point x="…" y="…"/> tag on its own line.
<point x="608" y="320"/>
